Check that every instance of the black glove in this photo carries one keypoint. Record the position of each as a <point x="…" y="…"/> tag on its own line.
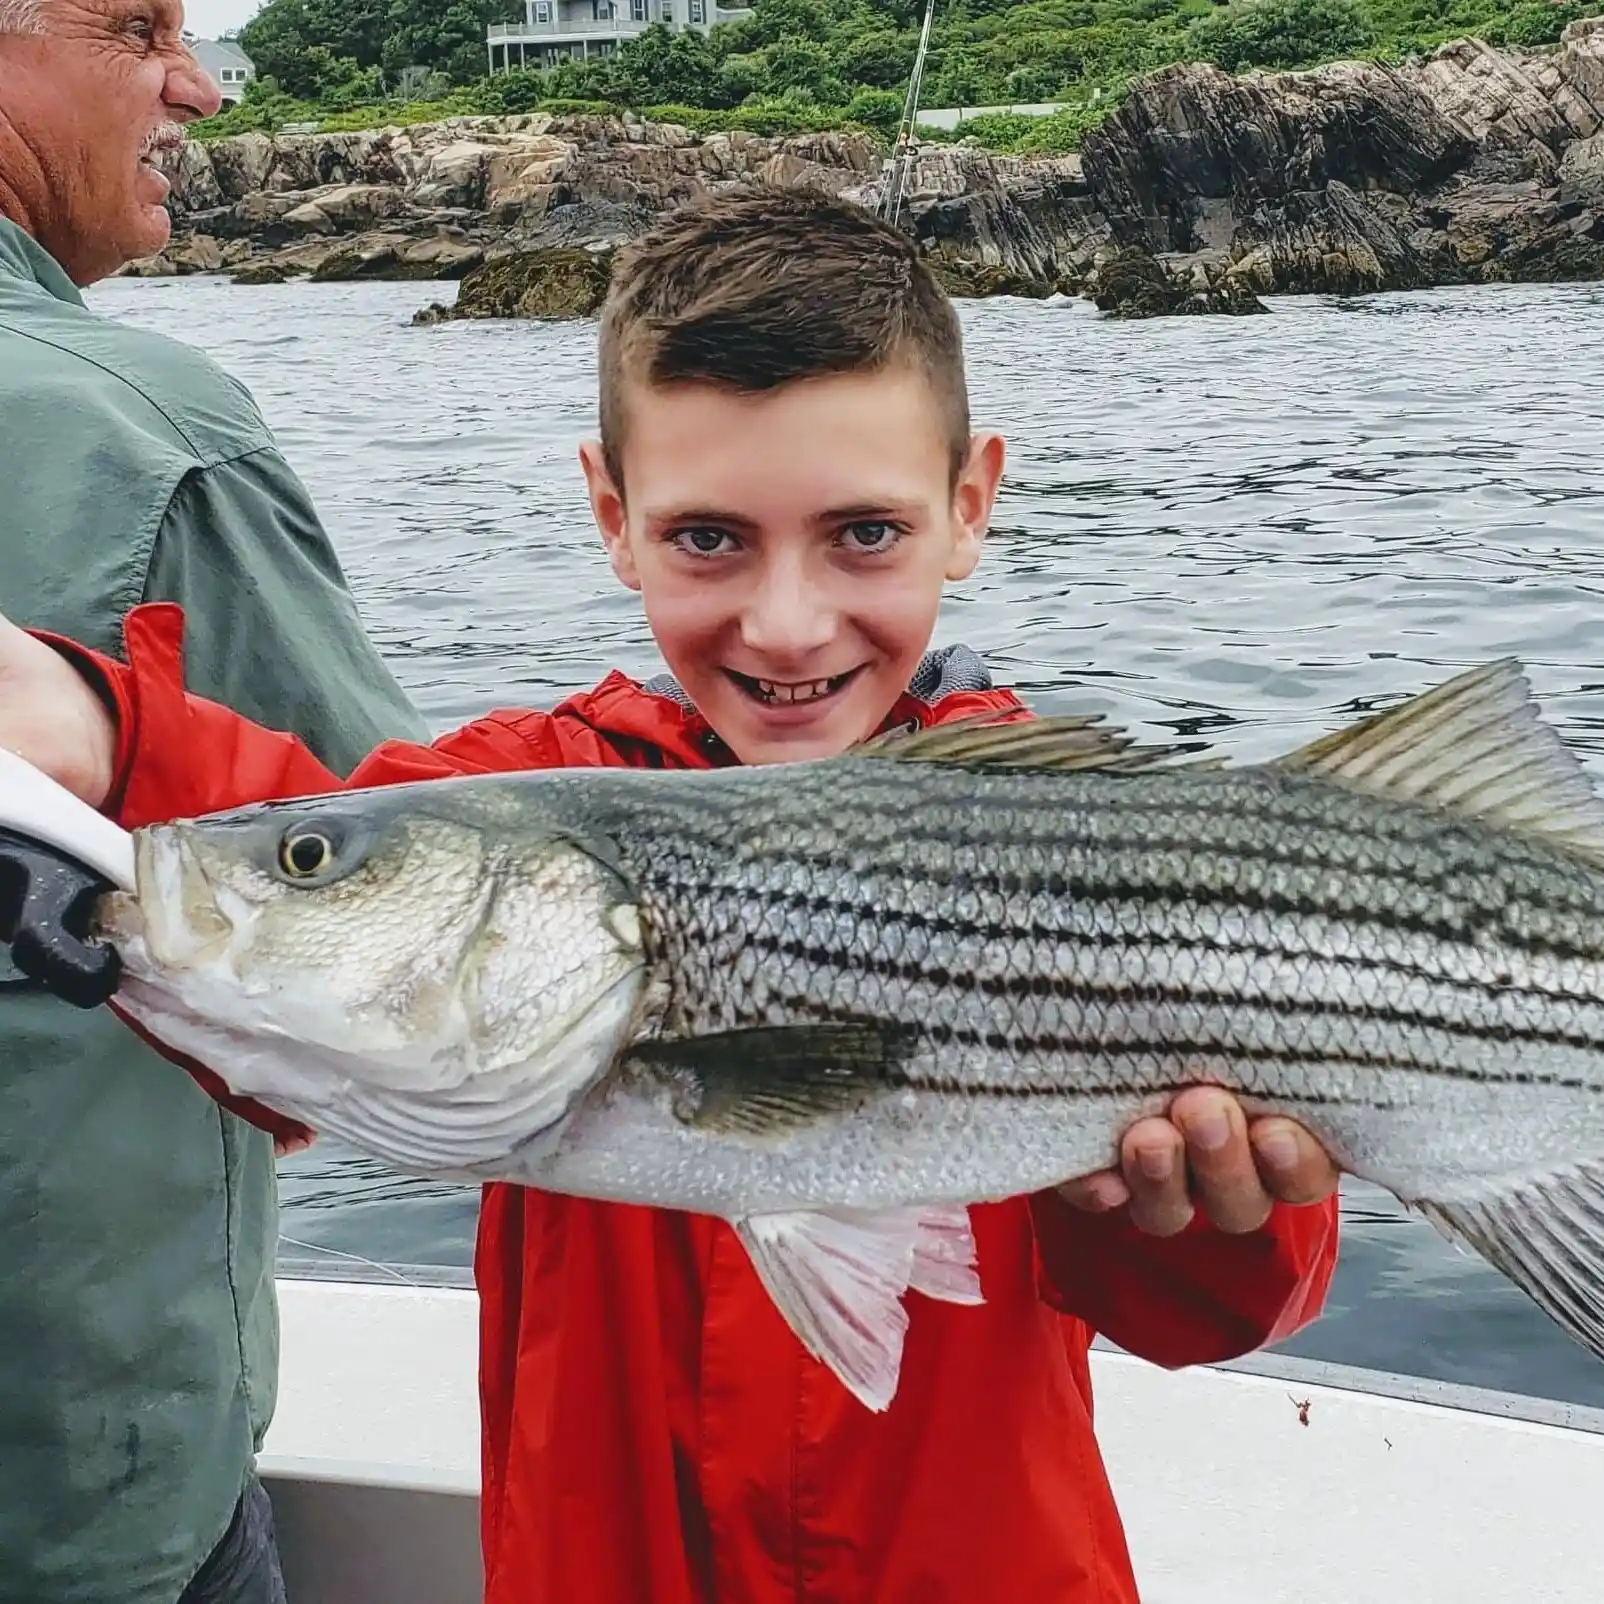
<point x="46" y="899"/>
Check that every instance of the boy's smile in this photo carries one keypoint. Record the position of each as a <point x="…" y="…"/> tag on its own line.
<point x="771" y="693"/>
<point x="791" y="547"/>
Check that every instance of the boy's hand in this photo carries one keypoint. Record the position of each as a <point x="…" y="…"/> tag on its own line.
<point x="1205" y="1154"/>
<point x="50" y="715"/>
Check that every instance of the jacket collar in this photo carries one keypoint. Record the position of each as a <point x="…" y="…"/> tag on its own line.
<point x="659" y="716"/>
<point x="23" y="257"/>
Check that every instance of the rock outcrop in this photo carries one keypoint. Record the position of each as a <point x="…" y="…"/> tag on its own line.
<point x="1133" y="284"/>
<point x="1473" y="165"/>
<point x="555" y="281"/>
<point x="438" y="200"/>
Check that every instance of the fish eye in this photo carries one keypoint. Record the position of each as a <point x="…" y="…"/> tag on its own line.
<point x="304" y="853"/>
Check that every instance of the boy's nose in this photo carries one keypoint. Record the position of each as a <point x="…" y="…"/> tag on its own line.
<point x="787" y="618"/>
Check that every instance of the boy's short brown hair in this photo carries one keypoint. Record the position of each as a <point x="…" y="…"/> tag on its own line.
<point x="758" y="288"/>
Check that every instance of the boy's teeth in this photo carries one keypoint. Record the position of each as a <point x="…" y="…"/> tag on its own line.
<point x="807" y="691"/>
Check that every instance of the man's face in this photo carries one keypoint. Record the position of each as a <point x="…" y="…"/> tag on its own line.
<point x="82" y="105"/>
<point x="790" y="548"/>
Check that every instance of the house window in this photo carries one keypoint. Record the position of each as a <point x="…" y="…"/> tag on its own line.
<point x="666" y="10"/>
<point x="698" y="10"/>
<point x="542" y="10"/>
<point x="640" y="10"/>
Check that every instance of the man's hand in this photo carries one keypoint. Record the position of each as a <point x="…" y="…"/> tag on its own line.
<point x="1206" y="1155"/>
<point x="50" y="715"/>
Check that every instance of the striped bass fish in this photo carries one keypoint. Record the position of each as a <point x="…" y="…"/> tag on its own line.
<point x="835" y="1002"/>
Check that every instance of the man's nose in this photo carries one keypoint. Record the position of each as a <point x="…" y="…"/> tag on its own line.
<point x="788" y="615"/>
<point x="189" y="93"/>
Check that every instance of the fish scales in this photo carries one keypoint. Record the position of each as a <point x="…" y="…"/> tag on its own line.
<point x="1084" y="953"/>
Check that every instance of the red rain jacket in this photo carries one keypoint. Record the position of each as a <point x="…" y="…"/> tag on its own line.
<point x="653" y="1434"/>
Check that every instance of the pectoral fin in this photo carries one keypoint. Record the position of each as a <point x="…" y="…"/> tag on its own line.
<point x="838" y="1278"/>
<point x="767" y="1081"/>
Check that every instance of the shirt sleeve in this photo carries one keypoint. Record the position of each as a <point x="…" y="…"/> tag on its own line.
<point x="180" y="754"/>
<point x="271" y="627"/>
<point x="1194" y="1298"/>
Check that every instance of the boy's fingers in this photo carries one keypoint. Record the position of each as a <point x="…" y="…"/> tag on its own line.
<point x="1237" y="1180"/>
<point x="1220" y="1157"/>
<point x="1153" y="1160"/>
<point x="1294" y="1167"/>
<point x="1098" y="1193"/>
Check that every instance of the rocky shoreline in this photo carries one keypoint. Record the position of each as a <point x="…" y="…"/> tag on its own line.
<point x="1472" y="166"/>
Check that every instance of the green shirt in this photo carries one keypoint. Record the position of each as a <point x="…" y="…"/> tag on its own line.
<point x="138" y="1328"/>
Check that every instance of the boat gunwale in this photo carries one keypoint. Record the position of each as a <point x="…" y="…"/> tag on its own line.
<point x="1294" y="1369"/>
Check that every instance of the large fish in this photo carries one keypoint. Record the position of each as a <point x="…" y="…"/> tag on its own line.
<point x="835" y="1002"/>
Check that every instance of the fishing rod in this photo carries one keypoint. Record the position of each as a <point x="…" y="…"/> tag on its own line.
<point x="902" y="152"/>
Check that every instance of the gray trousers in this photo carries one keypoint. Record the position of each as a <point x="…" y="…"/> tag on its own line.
<point x="243" y="1568"/>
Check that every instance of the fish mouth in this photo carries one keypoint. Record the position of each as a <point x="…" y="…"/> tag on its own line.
<point x="177" y="911"/>
<point x="791" y="693"/>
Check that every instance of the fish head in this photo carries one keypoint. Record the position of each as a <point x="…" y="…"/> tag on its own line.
<point x="387" y="956"/>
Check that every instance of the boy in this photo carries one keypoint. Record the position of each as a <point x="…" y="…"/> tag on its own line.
<point x="786" y="474"/>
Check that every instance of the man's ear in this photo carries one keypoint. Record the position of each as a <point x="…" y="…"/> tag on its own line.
<point x="973" y="497"/>
<point x="607" y="508"/>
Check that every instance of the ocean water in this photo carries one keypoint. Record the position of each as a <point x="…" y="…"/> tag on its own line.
<point x="1249" y="530"/>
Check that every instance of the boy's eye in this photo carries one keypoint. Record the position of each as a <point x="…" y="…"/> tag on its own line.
<point x="871" y="536"/>
<point x="704" y="542"/>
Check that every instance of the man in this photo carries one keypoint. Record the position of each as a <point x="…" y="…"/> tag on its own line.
<point x="138" y="1331"/>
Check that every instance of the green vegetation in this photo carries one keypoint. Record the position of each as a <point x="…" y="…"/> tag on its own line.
<point x="801" y="65"/>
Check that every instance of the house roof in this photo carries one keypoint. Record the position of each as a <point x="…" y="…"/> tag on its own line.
<point x="215" y="53"/>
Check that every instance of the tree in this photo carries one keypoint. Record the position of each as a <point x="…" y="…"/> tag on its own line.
<point x="424" y="33"/>
<point x="1540" y="24"/>
<point x="879" y="109"/>
<point x="1280" y="33"/>
<point x="774" y="20"/>
<point x="667" y="69"/>
<point x="805" y="66"/>
<point x="959" y="79"/>
<point x="372" y="33"/>
<point x="882" y="58"/>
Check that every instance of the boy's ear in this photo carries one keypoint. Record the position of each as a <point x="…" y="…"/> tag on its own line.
<point x="607" y="508"/>
<point x="973" y="497"/>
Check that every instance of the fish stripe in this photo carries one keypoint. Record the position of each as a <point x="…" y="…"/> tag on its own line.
<point x="1100" y="1046"/>
<point x="1185" y="994"/>
<point x="1129" y="909"/>
<point x="1498" y="914"/>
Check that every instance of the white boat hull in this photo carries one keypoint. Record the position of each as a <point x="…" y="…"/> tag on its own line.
<point x="1229" y="1497"/>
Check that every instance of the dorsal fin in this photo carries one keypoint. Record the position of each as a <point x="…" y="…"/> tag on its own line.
<point x="1474" y="746"/>
<point x="1075" y="741"/>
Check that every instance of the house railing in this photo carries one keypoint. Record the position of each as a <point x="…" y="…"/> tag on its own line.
<point x="608" y="27"/>
<point x="620" y="25"/>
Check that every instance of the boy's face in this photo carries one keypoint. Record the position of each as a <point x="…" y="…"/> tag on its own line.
<point x="791" y="547"/>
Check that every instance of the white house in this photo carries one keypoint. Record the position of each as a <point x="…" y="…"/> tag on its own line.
<point x="562" y="30"/>
<point x="226" y="65"/>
